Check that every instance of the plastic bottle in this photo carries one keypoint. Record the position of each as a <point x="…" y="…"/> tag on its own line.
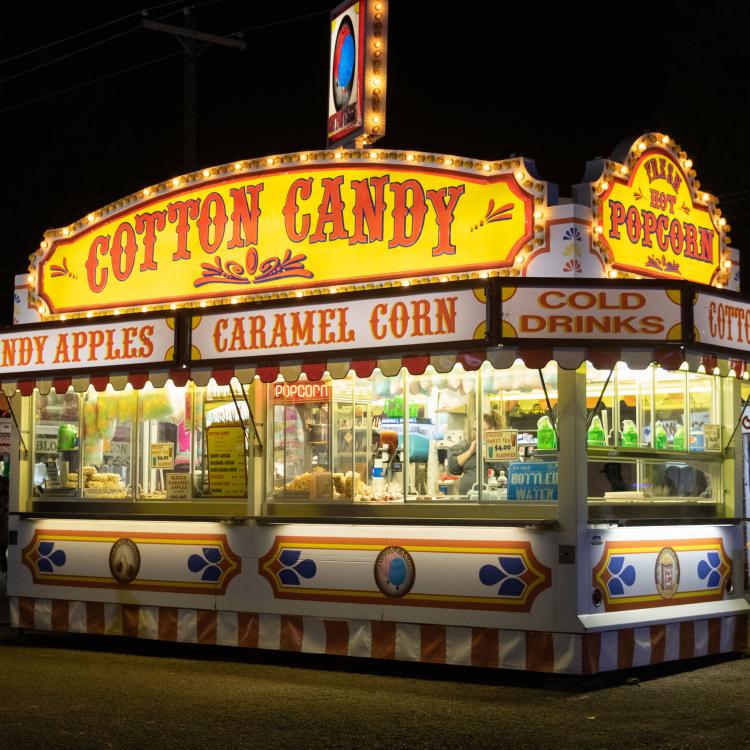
<point x="502" y="480"/>
<point x="629" y="434"/>
<point x="378" y="480"/>
<point x="545" y="435"/>
<point x="491" y="480"/>
<point x="678" y="441"/>
<point x="660" y="437"/>
<point x="596" y="433"/>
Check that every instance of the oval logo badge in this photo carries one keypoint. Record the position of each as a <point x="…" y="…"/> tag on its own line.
<point x="394" y="571"/>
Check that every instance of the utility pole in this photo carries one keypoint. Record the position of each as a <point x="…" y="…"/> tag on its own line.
<point x="188" y="37"/>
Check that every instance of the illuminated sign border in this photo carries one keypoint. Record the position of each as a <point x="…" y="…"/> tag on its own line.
<point x="512" y="171"/>
<point x="613" y="172"/>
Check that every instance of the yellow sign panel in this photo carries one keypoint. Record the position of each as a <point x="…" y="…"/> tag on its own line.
<point x="302" y="227"/>
<point x="227" y="467"/>
<point x="651" y="224"/>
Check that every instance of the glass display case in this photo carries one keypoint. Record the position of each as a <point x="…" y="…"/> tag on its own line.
<point x="146" y="445"/>
<point x="457" y="437"/>
<point x="654" y="436"/>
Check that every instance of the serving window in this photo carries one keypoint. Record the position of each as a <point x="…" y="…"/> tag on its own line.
<point x="465" y="437"/>
<point x="171" y="443"/>
<point x="654" y="436"/>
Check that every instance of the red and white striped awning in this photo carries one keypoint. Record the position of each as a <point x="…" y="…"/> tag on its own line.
<point x="500" y="358"/>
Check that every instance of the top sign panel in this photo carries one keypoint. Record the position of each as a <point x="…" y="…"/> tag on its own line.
<point x="357" y="72"/>
<point x="651" y="221"/>
<point x="281" y="230"/>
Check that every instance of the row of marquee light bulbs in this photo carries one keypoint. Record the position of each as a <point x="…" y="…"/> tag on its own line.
<point x="522" y="177"/>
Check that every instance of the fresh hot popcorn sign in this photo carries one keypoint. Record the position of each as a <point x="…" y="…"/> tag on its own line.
<point x="651" y="219"/>
<point x="287" y="229"/>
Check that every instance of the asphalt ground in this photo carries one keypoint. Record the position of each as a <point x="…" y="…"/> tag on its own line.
<point x="96" y="692"/>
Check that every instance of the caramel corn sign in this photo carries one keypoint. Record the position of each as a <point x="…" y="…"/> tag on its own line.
<point x="652" y="222"/>
<point x="279" y="230"/>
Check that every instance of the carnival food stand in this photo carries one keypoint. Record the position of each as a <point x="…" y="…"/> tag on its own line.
<point x="388" y="404"/>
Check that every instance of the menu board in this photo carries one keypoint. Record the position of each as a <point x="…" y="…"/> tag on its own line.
<point x="227" y="468"/>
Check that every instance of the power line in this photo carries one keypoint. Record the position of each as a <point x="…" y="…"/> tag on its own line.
<point x="91" y="82"/>
<point x="154" y="60"/>
<point x="86" y="31"/>
<point x="98" y="43"/>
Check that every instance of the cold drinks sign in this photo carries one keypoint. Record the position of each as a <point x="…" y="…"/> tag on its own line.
<point x="616" y="313"/>
<point x="297" y="227"/>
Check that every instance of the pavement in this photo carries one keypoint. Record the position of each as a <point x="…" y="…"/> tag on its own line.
<point x="98" y="692"/>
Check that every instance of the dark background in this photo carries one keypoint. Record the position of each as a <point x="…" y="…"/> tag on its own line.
<point x="477" y="79"/>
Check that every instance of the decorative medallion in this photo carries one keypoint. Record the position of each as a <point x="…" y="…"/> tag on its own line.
<point x="667" y="573"/>
<point x="496" y="575"/>
<point x="124" y="560"/>
<point x="394" y="571"/>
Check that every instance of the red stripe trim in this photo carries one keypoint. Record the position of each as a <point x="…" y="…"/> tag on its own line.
<point x="206" y="626"/>
<point x="471" y="360"/>
<point x="99" y="382"/>
<point x="95" y="621"/>
<point x="138" y="380"/>
<point x="687" y="640"/>
<point x="61" y="385"/>
<point x="314" y="371"/>
<point x="291" y="634"/>
<point x="59" y="619"/>
<point x="604" y="359"/>
<point x="222" y="376"/>
<point x="26" y="612"/>
<point x="26" y="387"/>
<point x="740" y="633"/>
<point x="130" y="614"/>
<point x="167" y="624"/>
<point x="432" y="643"/>
<point x="416" y="365"/>
<point x="337" y="637"/>
<point x="658" y="637"/>
<point x="535" y="359"/>
<point x="485" y="647"/>
<point x="383" y="640"/>
<point x="268" y="374"/>
<point x="180" y="377"/>
<point x="540" y="652"/>
<point x="363" y="368"/>
<point x="247" y="630"/>
<point x="591" y="653"/>
<point x="625" y="648"/>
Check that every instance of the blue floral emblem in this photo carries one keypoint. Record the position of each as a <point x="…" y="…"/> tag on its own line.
<point x="507" y="573"/>
<point x="708" y="570"/>
<point x="620" y="575"/>
<point x="49" y="557"/>
<point x="209" y="563"/>
<point x="293" y="568"/>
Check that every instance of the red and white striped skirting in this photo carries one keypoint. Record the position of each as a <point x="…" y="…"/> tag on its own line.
<point x="564" y="653"/>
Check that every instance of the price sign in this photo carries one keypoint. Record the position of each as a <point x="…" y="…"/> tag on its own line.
<point x="162" y="455"/>
<point x="178" y="486"/>
<point x="500" y="445"/>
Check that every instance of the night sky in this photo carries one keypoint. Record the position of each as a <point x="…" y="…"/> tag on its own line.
<point x="474" y="79"/>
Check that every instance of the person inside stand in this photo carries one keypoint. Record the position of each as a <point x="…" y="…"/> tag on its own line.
<point x="462" y="459"/>
<point x="613" y="472"/>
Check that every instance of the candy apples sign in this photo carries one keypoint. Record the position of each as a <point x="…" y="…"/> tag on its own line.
<point x="651" y="220"/>
<point x="274" y="230"/>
